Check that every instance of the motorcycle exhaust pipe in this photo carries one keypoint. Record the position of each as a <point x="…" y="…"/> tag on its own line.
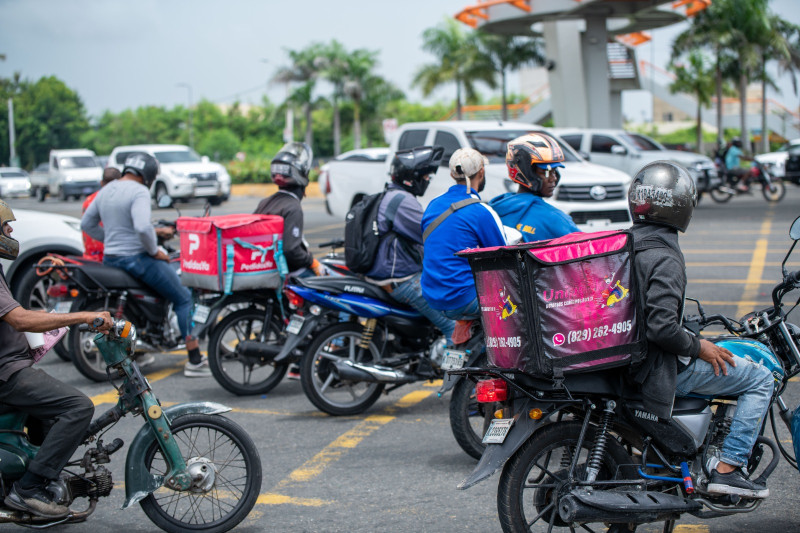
<point x="350" y="371"/>
<point x="258" y="350"/>
<point x="636" y="507"/>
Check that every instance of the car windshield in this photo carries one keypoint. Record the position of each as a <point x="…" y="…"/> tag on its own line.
<point x="493" y="143"/>
<point x="641" y="142"/>
<point x="80" y="161"/>
<point x="12" y="174"/>
<point x="177" y="156"/>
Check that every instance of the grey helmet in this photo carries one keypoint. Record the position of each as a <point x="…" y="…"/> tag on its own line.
<point x="9" y="247"/>
<point x="662" y="193"/>
<point x="291" y="165"/>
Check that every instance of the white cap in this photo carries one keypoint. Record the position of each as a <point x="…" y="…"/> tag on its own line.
<point x="465" y="163"/>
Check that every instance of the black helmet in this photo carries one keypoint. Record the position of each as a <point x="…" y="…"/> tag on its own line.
<point x="410" y="168"/>
<point x="290" y="166"/>
<point x="9" y="247"/>
<point x="143" y="165"/>
<point x="663" y="193"/>
<point x="737" y="142"/>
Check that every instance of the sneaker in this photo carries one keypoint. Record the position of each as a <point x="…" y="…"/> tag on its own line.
<point x="198" y="370"/>
<point x="145" y="359"/>
<point x="293" y="373"/>
<point x="36" y="501"/>
<point x="735" y="483"/>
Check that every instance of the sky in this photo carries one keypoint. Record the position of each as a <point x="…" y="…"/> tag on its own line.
<point x="119" y="54"/>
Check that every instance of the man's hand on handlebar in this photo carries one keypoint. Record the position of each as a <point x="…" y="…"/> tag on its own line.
<point x="100" y="321"/>
<point x="716" y="356"/>
<point x="165" y="232"/>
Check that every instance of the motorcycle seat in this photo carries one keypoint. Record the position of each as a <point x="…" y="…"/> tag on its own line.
<point x="348" y="285"/>
<point x="110" y="277"/>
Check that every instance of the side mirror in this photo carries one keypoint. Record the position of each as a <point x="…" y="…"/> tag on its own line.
<point x="165" y="201"/>
<point x="794" y="231"/>
<point x="204" y="159"/>
<point x="618" y="150"/>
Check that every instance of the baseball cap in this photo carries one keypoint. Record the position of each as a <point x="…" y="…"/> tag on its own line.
<point x="466" y="162"/>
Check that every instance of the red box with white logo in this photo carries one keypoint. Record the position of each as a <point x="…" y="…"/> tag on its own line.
<point x="232" y="252"/>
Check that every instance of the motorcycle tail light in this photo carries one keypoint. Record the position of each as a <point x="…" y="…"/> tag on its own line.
<point x="295" y="300"/>
<point x="58" y="290"/>
<point x="491" y="390"/>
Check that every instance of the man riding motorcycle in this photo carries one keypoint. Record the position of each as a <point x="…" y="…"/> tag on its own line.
<point x="662" y="198"/>
<point x="65" y="409"/>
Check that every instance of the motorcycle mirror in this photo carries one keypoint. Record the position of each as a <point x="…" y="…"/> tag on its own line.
<point x="794" y="231"/>
<point x="165" y="201"/>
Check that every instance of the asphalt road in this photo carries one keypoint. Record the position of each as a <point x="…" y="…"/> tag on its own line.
<point x="396" y="467"/>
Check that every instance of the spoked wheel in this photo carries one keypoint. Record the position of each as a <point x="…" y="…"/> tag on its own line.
<point x="236" y="373"/>
<point x="32" y="294"/>
<point x="774" y="191"/>
<point x="468" y="419"/>
<point x="535" y="478"/>
<point x="322" y="384"/>
<point x="721" y="196"/>
<point x="225" y="467"/>
<point x="85" y="355"/>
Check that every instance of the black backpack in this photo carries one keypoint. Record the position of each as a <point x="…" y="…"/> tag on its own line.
<point x="361" y="235"/>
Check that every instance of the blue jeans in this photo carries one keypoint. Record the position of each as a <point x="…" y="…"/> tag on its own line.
<point x="470" y="311"/>
<point x="160" y="277"/>
<point x="409" y="292"/>
<point x="752" y="383"/>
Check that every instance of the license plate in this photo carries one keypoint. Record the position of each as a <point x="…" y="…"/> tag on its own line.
<point x="454" y="359"/>
<point x="498" y="430"/>
<point x="62" y="307"/>
<point x="201" y="314"/>
<point x="295" y="324"/>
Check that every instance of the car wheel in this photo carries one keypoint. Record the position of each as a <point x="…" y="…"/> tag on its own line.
<point x="41" y="194"/>
<point x="62" y="195"/>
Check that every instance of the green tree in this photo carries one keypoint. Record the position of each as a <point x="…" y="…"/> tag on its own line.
<point x="459" y="61"/>
<point x="695" y="77"/>
<point x="304" y="69"/>
<point x="360" y="64"/>
<point x="219" y="144"/>
<point x="508" y="53"/>
<point x="333" y="62"/>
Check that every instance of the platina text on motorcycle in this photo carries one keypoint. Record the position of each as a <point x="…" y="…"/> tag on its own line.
<point x="580" y="449"/>
<point x="189" y="468"/>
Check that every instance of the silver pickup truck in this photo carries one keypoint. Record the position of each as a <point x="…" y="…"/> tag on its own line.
<point x="67" y="174"/>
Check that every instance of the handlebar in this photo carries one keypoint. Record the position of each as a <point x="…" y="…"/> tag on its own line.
<point x="336" y="243"/>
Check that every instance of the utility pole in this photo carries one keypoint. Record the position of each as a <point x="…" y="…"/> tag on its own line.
<point x="191" y="131"/>
<point x="13" y="159"/>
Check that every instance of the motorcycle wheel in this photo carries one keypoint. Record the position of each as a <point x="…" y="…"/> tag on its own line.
<point x="532" y="480"/>
<point x="329" y="394"/>
<point x="32" y="294"/>
<point x="209" y="441"/>
<point x="774" y="192"/>
<point x="237" y="375"/>
<point x="83" y="351"/>
<point x="720" y="196"/>
<point x="468" y="419"/>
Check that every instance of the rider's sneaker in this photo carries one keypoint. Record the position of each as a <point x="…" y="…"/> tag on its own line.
<point x="293" y="373"/>
<point x="197" y="370"/>
<point x="735" y="483"/>
<point x="36" y="501"/>
<point x="145" y="359"/>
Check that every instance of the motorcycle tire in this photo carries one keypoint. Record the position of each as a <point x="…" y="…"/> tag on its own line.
<point x="84" y="353"/>
<point x="774" y="192"/>
<point x="226" y="365"/>
<point x="328" y="393"/>
<point x="468" y="420"/>
<point x="215" y="441"/>
<point x="526" y="492"/>
<point x="32" y="294"/>
<point x="720" y="196"/>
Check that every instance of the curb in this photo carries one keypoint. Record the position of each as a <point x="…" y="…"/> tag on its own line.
<point x="262" y="190"/>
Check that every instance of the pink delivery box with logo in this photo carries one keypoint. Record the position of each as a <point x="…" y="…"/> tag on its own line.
<point x="232" y="252"/>
<point x="560" y="306"/>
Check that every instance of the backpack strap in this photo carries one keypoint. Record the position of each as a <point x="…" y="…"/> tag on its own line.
<point x="391" y="209"/>
<point x="450" y="210"/>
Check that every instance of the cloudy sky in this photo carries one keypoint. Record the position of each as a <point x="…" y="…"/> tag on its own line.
<point x="123" y="54"/>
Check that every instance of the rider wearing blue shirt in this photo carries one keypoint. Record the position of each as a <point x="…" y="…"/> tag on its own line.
<point x="532" y="162"/>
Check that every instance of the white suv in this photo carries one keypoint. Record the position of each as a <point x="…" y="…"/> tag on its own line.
<point x="182" y="174"/>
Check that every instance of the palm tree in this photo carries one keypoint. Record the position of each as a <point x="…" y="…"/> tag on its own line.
<point x="334" y="67"/>
<point x="304" y="71"/>
<point x="359" y="65"/>
<point x="696" y="78"/>
<point x="460" y="62"/>
<point x="509" y="52"/>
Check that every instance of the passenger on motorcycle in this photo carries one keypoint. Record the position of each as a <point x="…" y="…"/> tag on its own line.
<point x="533" y="161"/>
<point x="289" y="169"/>
<point x="93" y="249"/>
<point x="398" y="263"/>
<point x="447" y="282"/>
<point x="733" y="157"/>
<point x="129" y="238"/>
<point x="662" y="198"/>
<point x="66" y="410"/>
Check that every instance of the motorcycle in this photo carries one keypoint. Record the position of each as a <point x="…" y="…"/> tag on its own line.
<point x="773" y="189"/>
<point x="188" y="467"/>
<point x="246" y="357"/>
<point x="581" y="448"/>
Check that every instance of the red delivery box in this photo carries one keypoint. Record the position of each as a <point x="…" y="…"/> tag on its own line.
<point x="232" y="252"/>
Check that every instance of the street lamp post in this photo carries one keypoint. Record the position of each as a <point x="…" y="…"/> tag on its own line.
<point x="191" y="132"/>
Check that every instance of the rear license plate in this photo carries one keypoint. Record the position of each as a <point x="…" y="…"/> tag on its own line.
<point x="201" y="314"/>
<point x="498" y="430"/>
<point x="62" y="307"/>
<point x="295" y="324"/>
<point x="454" y="359"/>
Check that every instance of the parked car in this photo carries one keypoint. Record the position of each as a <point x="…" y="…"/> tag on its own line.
<point x="347" y="166"/>
<point x="628" y="152"/>
<point x="595" y="196"/>
<point x="14" y="182"/>
<point x="70" y="173"/>
<point x="775" y="162"/>
<point x="183" y="174"/>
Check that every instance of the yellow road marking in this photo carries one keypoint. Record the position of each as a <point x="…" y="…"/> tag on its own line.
<point x="323" y="228"/>
<point x="333" y="452"/>
<point x="112" y="396"/>
<point x="754" y="280"/>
